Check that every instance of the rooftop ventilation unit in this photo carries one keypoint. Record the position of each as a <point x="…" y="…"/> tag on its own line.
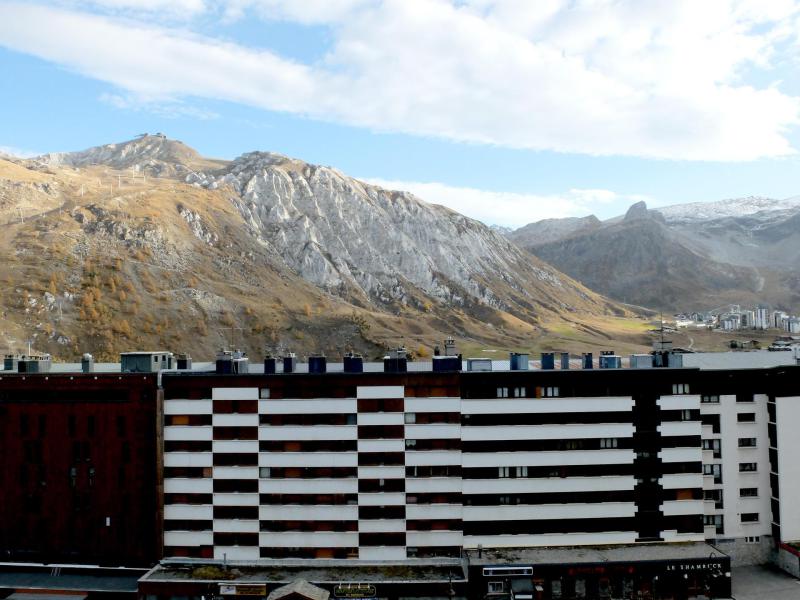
<point x="353" y="363"/>
<point x="548" y="361"/>
<point x="450" y="347"/>
<point x="479" y="364"/>
<point x="446" y="363"/>
<point x="34" y="364"/>
<point x="270" y="365"/>
<point x="317" y="364"/>
<point x="609" y="360"/>
<point x="232" y="362"/>
<point x="183" y="362"/>
<point x="10" y="362"/>
<point x="290" y="362"/>
<point x="518" y="361"/>
<point x="565" y="361"/>
<point x="587" y="362"/>
<point x="641" y="361"/>
<point x="87" y="363"/>
<point x="396" y="361"/>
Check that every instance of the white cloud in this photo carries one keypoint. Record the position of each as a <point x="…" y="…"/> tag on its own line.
<point x="17" y="152"/>
<point x="170" y="109"/>
<point x="601" y="77"/>
<point x="514" y="210"/>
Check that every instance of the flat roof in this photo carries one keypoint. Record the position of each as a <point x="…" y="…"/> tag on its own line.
<point x="641" y="552"/>
<point x="69" y="578"/>
<point x="312" y="570"/>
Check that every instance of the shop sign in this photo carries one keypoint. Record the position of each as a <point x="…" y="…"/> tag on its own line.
<point x="231" y="589"/>
<point x="358" y="590"/>
<point x="693" y="567"/>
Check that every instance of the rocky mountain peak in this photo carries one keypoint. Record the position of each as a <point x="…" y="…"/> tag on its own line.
<point x="637" y="211"/>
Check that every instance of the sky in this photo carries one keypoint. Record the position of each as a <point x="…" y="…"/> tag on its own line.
<point x="509" y="111"/>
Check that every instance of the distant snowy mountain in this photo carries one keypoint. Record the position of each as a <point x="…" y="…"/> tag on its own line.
<point x="683" y="256"/>
<point x="737" y="207"/>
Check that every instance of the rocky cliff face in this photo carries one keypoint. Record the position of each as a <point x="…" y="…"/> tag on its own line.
<point x="359" y="240"/>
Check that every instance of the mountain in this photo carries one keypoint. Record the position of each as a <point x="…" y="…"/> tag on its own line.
<point x="148" y="244"/>
<point x="550" y="230"/>
<point x="687" y="257"/>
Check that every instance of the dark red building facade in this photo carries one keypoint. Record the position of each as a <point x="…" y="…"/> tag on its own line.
<point x="79" y="474"/>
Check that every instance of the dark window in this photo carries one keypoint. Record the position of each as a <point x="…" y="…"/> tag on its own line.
<point x="749" y="517"/>
<point x="746" y="417"/>
<point x="236" y="512"/>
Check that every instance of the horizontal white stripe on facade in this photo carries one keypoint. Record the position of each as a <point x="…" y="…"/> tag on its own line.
<point x="441" y="431"/>
<point x="286" y="512"/>
<point x="679" y="402"/>
<point x="683" y="507"/>
<point x="675" y="455"/>
<point x="679" y="481"/>
<point x="235" y="420"/>
<point x="554" y="458"/>
<point x="235" y="499"/>
<point x="382" y="499"/>
<point x="235" y="525"/>
<point x="674" y="536"/>
<point x="188" y="538"/>
<point x="433" y="511"/>
<point x="427" y="405"/>
<point x="308" y="459"/>
<point x="308" y="486"/>
<point x="188" y="486"/>
<point x="174" y="433"/>
<point x="522" y="512"/>
<point x="382" y="526"/>
<point x="551" y="539"/>
<point x="433" y="458"/>
<point x="547" y="432"/>
<point x="381" y="418"/>
<point x="235" y="446"/>
<point x="335" y="406"/>
<point x="308" y="539"/>
<point x="554" y="405"/>
<point x="248" y="553"/>
<point x="383" y="553"/>
<point x="234" y="393"/>
<point x="235" y="472"/>
<point x="187" y="407"/>
<point x="307" y="432"/>
<point x="422" y="485"/>
<point x="680" y="428"/>
<point x="188" y="512"/>
<point x="380" y="391"/>
<point x="434" y="538"/>
<point x="188" y="459"/>
<point x="549" y="485"/>
<point x="393" y="472"/>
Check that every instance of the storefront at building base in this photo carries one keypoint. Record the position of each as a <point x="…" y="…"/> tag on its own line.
<point x="679" y="571"/>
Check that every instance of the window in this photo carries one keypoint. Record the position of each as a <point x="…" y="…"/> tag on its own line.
<point x="502" y="392"/>
<point x="715" y="520"/>
<point x="715" y="495"/>
<point x="550" y="392"/>
<point x="503" y="472"/>
<point x="715" y="470"/>
<point x="714" y="446"/>
<point x="748" y="467"/>
<point x="519" y="392"/>
<point x="411" y="444"/>
<point x="746" y="417"/>
<point x="521" y="471"/>
<point x="680" y="388"/>
<point x="495" y="587"/>
<point x="264" y="472"/>
<point x="686" y="415"/>
<point x="752" y="539"/>
<point x="411" y="418"/>
<point x="263" y="393"/>
<point x="748" y="492"/>
<point x="747" y="442"/>
<point x="609" y="442"/>
<point x="749" y="517"/>
<point x="709" y="399"/>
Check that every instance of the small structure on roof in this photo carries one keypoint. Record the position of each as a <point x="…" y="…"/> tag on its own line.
<point x="299" y="589"/>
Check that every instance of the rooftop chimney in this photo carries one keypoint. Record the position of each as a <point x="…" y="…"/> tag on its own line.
<point x="518" y="361"/>
<point x="548" y="361"/>
<point x="289" y="362"/>
<point x="353" y="363"/>
<point x="396" y="361"/>
<point x="317" y="364"/>
<point x="87" y="363"/>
